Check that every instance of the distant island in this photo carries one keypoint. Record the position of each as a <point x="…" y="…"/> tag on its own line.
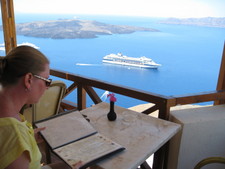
<point x="74" y="29"/>
<point x="208" y="21"/>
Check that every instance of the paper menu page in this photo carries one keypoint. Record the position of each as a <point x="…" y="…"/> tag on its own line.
<point x="65" y="128"/>
<point x="88" y="149"/>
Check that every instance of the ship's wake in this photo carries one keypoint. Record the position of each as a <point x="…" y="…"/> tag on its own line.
<point x="86" y="64"/>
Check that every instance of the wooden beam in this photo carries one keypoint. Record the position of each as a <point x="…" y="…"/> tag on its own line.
<point x="8" y="22"/>
<point x="68" y="105"/>
<point x="70" y="89"/>
<point x="81" y="96"/>
<point x="200" y="97"/>
<point x="221" y="78"/>
<point x="150" y="110"/>
<point x="124" y="90"/>
<point x="93" y="95"/>
<point x="164" y="108"/>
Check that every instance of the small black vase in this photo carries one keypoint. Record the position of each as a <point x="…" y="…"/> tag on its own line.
<point x="111" y="115"/>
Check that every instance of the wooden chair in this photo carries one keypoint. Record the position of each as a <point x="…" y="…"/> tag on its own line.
<point x="210" y="160"/>
<point x="48" y="104"/>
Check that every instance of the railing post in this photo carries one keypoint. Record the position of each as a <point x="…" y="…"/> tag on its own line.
<point x="8" y="22"/>
<point x="160" y="157"/>
<point x="221" y="78"/>
<point x="81" y="96"/>
<point x="164" y="108"/>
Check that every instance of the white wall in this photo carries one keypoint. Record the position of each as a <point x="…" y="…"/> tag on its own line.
<point x="202" y="136"/>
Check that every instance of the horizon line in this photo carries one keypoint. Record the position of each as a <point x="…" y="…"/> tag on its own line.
<point x="117" y="15"/>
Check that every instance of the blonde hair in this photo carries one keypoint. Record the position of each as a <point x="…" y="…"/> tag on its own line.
<point x="20" y="61"/>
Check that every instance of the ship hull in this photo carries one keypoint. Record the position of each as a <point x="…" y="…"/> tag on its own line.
<point x="133" y="65"/>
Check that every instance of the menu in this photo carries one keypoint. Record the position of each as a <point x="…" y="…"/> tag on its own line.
<point x="71" y="137"/>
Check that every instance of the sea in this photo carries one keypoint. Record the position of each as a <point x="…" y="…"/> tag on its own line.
<point x="190" y="55"/>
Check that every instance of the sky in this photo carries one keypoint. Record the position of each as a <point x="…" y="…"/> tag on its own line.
<point x="150" y="8"/>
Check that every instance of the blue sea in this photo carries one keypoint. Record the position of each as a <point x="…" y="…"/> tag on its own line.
<point x="190" y="55"/>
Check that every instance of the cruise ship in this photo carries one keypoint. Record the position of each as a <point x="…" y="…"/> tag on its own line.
<point x="121" y="59"/>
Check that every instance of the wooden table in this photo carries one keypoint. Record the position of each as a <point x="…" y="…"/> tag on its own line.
<point x="140" y="134"/>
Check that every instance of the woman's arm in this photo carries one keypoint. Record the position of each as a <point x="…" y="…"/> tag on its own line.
<point x="21" y="162"/>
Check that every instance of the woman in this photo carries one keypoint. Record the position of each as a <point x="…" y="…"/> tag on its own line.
<point x="24" y="73"/>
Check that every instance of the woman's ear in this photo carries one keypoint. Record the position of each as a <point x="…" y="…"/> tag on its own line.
<point x="28" y="79"/>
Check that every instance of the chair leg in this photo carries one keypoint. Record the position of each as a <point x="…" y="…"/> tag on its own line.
<point x="48" y="154"/>
<point x="145" y="165"/>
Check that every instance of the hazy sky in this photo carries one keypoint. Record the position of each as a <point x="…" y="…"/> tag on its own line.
<point x="152" y="8"/>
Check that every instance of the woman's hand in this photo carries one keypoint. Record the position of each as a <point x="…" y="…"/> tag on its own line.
<point x="37" y="136"/>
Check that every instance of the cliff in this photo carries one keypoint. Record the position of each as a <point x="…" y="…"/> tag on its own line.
<point x="74" y="28"/>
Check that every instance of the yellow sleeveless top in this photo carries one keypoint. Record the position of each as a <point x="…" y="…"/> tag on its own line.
<point x="15" y="138"/>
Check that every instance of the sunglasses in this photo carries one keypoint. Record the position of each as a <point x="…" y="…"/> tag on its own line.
<point x="47" y="81"/>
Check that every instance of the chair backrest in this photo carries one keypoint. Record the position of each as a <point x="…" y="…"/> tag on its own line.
<point x="48" y="104"/>
<point x="210" y="160"/>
